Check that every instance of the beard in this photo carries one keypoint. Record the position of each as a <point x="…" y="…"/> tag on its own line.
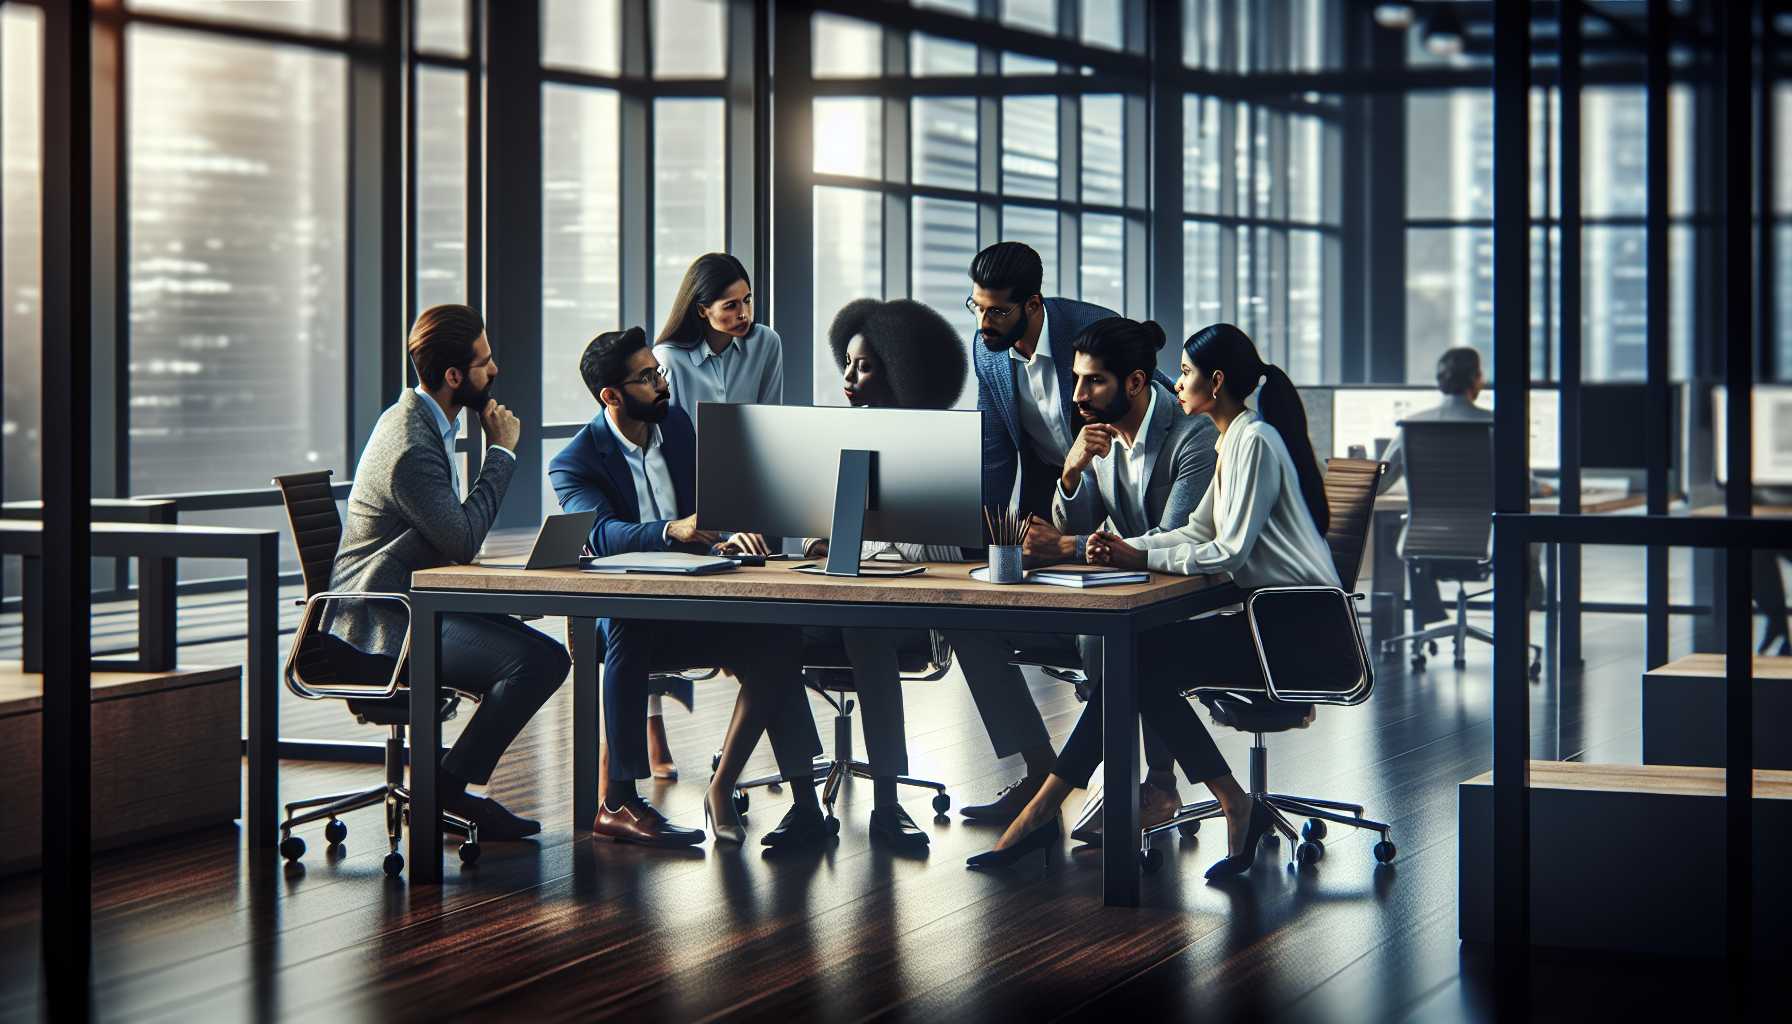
<point x="645" y="412"/>
<point x="468" y="397"/>
<point x="1113" y="412"/>
<point x="1004" y="341"/>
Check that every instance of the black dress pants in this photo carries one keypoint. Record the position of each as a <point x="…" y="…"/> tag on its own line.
<point x="767" y="659"/>
<point x="1214" y="650"/>
<point x="515" y="669"/>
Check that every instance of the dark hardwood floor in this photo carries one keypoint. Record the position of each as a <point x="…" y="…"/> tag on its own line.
<point x="194" y="929"/>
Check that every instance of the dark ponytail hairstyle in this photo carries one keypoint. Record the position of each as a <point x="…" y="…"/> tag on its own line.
<point x="1223" y="348"/>
<point x="1124" y="346"/>
<point x="708" y="276"/>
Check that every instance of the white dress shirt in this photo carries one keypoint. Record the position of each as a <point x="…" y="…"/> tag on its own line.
<point x="655" y="497"/>
<point x="450" y="431"/>
<point x="1042" y="419"/>
<point x="1252" y="523"/>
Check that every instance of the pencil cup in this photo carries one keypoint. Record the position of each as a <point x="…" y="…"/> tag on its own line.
<point x="1004" y="564"/>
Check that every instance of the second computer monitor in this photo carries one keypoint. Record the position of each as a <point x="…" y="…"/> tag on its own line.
<point x="773" y="469"/>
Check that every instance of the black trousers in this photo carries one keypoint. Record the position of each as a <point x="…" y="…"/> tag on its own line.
<point x="767" y="659"/>
<point x="514" y="667"/>
<point x="1215" y="650"/>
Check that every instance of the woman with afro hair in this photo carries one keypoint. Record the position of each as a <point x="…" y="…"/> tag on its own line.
<point x="892" y="355"/>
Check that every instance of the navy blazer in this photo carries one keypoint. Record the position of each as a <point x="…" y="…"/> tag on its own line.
<point x="1003" y="436"/>
<point x="591" y="474"/>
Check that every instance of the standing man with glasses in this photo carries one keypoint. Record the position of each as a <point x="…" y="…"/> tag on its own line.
<point x="1025" y="389"/>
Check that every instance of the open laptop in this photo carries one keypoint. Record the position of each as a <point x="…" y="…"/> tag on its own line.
<point x="558" y="543"/>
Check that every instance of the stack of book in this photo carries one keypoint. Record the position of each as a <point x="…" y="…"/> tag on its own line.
<point x="1081" y="576"/>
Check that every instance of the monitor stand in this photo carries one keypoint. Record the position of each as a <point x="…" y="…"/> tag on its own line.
<point x="855" y="491"/>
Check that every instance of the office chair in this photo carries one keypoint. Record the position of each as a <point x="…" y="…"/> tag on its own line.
<point x="1449" y="526"/>
<point x="828" y="671"/>
<point x="1310" y="646"/>
<point x="320" y="666"/>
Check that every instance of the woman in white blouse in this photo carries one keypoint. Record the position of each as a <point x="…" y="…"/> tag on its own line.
<point x="1262" y="520"/>
<point x="711" y="351"/>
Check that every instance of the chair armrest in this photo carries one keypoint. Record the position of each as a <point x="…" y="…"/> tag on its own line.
<point x="307" y="622"/>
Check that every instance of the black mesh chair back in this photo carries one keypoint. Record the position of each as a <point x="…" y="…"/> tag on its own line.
<point x="316" y="525"/>
<point x="1350" y="486"/>
<point x="1449" y="483"/>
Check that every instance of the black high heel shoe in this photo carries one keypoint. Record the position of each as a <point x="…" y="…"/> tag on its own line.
<point x="1038" y="839"/>
<point x="1259" y="825"/>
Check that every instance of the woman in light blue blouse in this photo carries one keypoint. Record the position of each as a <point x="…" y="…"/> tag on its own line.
<point x="711" y="351"/>
<point x="711" y="348"/>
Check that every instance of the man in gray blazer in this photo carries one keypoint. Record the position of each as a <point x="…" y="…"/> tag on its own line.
<point x="405" y="513"/>
<point x="1139" y="465"/>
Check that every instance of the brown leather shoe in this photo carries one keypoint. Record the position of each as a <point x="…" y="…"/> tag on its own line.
<point x="637" y="821"/>
<point x="1156" y="806"/>
<point x="1008" y="803"/>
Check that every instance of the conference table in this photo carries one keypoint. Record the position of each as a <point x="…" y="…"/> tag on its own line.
<point x="944" y="595"/>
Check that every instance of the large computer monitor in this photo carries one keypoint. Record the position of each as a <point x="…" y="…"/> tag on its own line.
<point x="1772" y="461"/>
<point x="1370" y="417"/>
<point x="811" y="471"/>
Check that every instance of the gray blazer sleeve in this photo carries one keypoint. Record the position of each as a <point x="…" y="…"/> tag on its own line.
<point x="424" y="494"/>
<point x="1194" y="472"/>
<point x="1079" y="515"/>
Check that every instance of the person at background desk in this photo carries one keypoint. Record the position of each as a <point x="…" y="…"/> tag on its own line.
<point x="635" y="465"/>
<point x="1136" y="467"/>
<point x="711" y="351"/>
<point x="1262" y="521"/>
<point x="1460" y="379"/>
<point x="1024" y="385"/>
<point x="405" y="513"/>
<point x="892" y="355"/>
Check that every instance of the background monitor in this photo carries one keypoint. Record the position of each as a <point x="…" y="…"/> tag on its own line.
<point x="1370" y="416"/>
<point x="772" y="469"/>
<point x="1772" y="415"/>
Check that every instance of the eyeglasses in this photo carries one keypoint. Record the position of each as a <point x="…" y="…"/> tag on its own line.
<point x="650" y="378"/>
<point x="993" y="312"/>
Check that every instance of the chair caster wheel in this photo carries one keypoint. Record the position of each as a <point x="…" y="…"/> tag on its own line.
<point x="1431" y="647"/>
<point x="469" y="853"/>
<point x="292" y="848"/>
<point x="1314" y="829"/>
<point x="1384" y="851"/>
<point x="1418" y="663"/>
<point x="1536" y="671"/>
<point x="335" y="831"/>
<point x="1460" y="663"/>
<point x="833" y="825"/>
<point x="1308" y="853"/>
<point x="942" y="803"/>
<point x="393" y="864"/>
<point x="1188" y="829"/>
<point x="740" y="801"/>
<point x="1150" y="860"/>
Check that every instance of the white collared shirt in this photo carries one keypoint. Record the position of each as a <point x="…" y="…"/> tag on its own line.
<point x="1042" y="418"/>
<point x="1129" y="471"/>
<point x="1253" y="521"/>
<point x="655" y="497"/>
<point x="450" y="431"/>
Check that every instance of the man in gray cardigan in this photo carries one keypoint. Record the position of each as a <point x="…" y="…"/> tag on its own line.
<point x="405" y="513"/>
<point x="1139" y="465"/>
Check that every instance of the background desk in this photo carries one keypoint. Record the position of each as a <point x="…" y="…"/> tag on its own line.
<point x="1388" y="572"/>
<point x="774" y="595"/>
<point x="259" y="550"/>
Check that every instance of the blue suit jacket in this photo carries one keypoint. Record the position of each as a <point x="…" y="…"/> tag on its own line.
<point x="591" y="474"/>
<point x="1003" y="437"/>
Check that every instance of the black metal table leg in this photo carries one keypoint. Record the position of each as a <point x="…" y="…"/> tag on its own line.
<point x="425" y="861"/>
<point x="581" y="635"/>
<point x="1120" y="768"/>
